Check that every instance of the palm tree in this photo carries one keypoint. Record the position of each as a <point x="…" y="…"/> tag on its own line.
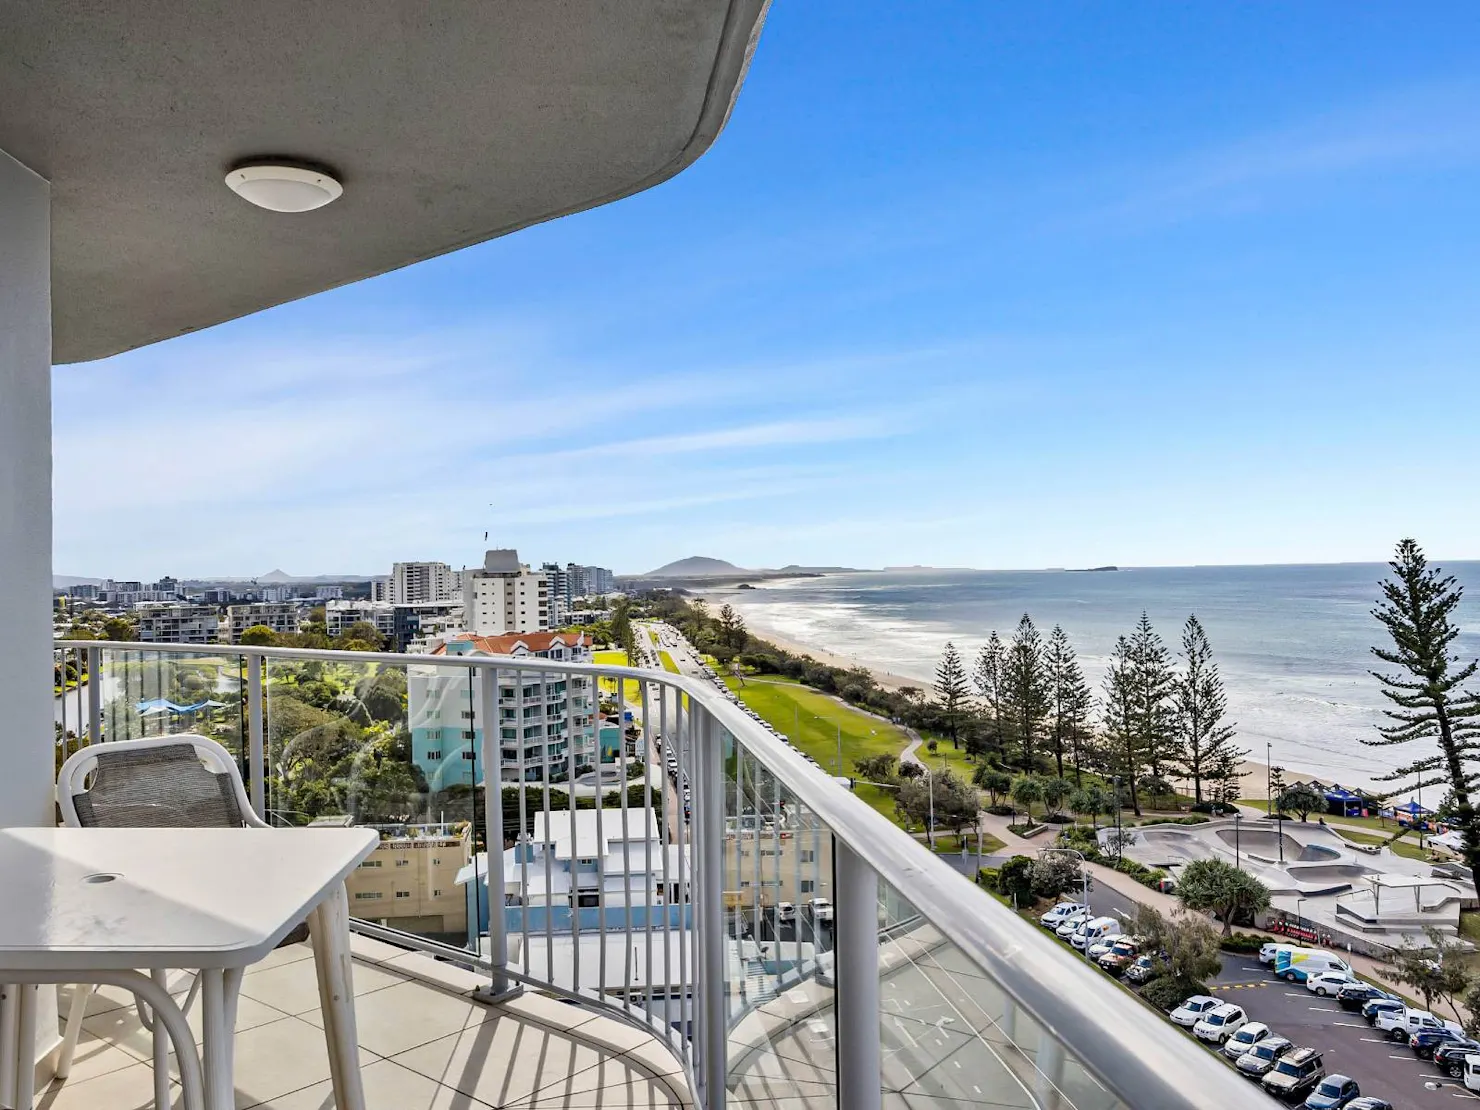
<point x="1027" y="789"/>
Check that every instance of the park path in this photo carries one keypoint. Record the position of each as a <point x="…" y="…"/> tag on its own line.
<point x="908" y="755"/>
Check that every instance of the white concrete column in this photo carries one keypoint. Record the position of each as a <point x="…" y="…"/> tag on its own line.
<point x="26" y="740"/>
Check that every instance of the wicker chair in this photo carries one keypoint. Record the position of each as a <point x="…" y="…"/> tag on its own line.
<point x="162" y="782"/>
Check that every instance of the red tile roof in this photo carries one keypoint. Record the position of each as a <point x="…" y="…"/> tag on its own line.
<point x="517" y="643"/>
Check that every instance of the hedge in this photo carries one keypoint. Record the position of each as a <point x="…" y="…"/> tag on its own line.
<point x="1243" y="942"/>
<point x="1167" y="993"/>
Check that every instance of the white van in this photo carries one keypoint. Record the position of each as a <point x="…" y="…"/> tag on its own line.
<point x="1296" y="964"/>
<point x="1095" y="929"/>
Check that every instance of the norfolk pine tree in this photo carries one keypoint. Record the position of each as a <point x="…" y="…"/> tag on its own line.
<point x="1430" y="700"/>
<point x="1069" y="701"/>
<point x="1151" y="678"/>
<point x="1205" y="745"/>
<point x="1125" y="755"/>
<point x="988" y="680"/>
<point x="951" y="690"/>
<point x="1027" y="689"/>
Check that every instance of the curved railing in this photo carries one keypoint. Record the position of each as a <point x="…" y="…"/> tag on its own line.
<point x="786" y="941"/>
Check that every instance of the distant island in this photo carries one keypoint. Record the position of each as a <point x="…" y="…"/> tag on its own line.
<point x="708" y="569"/>
<point x="1089" y="570"/>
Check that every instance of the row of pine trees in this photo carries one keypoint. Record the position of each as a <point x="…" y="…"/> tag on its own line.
<point x="1025" y="705"/>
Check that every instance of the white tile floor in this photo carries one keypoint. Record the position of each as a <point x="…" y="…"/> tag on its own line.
<point x="424" y="1045"/>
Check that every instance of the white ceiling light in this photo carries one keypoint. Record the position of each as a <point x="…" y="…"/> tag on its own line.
<point x="280" y="188"/>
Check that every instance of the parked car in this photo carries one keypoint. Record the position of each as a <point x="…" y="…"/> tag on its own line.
<point x="785" y="911"/>
<point x="1295" y="1074"/>
<point x="1142" y="970"/>
<point x="1449" y="1057"/>
<point x="1121" y="955"/>
<point x="1329" y="982"/>
<point x="1426" y="1041"/>
<point x="1400" y="1025"/>
<point x="822" y="909"/>
<point x="1368" y="1102"/>
<point x="1055" y="917"/>
<point x="1335" y="1092"/>
<point x="1355" y="995"/>
<point x="1099" y="948"/>
<point x="1192" y="1010"/>
<point x="1295" y="963"/>
<point x="1266" y="952"/>
<point x="1371" y="1009"/>
<point x="1248" y="1035"/>
<point x="1066" y="927"/>
<point x="1259" y="1059"/>
<point x="1220" y="1022"/>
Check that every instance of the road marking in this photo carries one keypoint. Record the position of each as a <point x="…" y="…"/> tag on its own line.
<point x="1377" y="1040"/>
<point x="1350" y="1025"/>
<point x="1246" y="967"/>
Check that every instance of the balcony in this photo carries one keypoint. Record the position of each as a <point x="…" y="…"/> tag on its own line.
<point x="911" y="989"/>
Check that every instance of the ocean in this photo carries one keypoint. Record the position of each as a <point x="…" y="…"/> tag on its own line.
<point x="1293" y="643"/>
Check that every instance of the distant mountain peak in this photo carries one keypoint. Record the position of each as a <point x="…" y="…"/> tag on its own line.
<point x="695" y="566"/>
<point x="277" y="575"/>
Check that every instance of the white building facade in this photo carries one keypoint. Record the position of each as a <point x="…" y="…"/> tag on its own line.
<point x="504" y="596"/>
<point x="546" y="721"/>
<point x="412" y="583"/>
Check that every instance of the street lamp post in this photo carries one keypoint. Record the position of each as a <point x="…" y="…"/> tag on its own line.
<point x="1237" y="820"/>
<point x="1269" y="778"/>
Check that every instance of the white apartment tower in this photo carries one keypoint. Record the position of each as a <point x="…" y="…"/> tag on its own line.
<point x="505" y="596"/>
<point x="415" y="583"/>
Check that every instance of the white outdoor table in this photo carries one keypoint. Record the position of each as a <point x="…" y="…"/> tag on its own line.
<point x="98" y="905"/>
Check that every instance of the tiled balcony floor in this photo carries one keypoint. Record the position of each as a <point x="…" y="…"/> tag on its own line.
<point x="424" y="1045"/>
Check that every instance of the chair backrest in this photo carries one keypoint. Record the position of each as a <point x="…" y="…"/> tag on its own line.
<point x="161" y="782"/>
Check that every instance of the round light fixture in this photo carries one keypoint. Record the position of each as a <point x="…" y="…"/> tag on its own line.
<point x="281" y="188"/>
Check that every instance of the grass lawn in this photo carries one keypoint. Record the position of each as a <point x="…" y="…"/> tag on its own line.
<point x="812" y="720"/>
<point x="1406" y="845"/>
<point x="632" y="691"/>
<point x="948" y="842"/>
<point x="667" y="661"/>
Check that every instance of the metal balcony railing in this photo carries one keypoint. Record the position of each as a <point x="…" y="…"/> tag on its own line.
<point x="786" y="942"/>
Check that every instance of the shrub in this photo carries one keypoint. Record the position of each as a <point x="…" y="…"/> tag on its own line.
<point x="1214" y="808"/>
<point x="1059" y="819"/>
<point x="1242" y="942"/>
<point x="989" y="878"/>
<point x="1015" y="880"/>
<point x="1167" y="992"/>
<point x="1195" y="819"/>
<point x="1025" y="830"/>
<point x="1001" y="811"/>
<point x="1146" y="876"/>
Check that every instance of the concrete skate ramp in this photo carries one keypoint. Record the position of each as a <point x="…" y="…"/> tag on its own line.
<point x="1331" y="872"/>
<point x="1267" y="844"/>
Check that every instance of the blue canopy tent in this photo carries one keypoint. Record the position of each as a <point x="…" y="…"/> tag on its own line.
<point x="1343" y="803"/>
<point x="1411" y="813"/>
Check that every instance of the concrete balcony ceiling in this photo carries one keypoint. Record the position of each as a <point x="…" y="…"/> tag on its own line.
<point x="447" y="124"/>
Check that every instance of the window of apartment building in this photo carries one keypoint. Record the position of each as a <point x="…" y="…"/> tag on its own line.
<point x="808" y="886"/>
<point x="367" y="896"/>
<point x="403" y="863"/>
<point x="531" y="691"/>
<point x="533" y="730"/>
<point x="588" y="899"/>
<point x="403" y="894"/>
<point x="436" y="894"/>
<point x="809" y="855"/>
<point x="467" y="714"/>
<point x="371" y="863"/>
<point x="469" y="755"/>
<point x="508" y="733"/>
<point x="434" y="754"/>
<point x="469" y="734"/>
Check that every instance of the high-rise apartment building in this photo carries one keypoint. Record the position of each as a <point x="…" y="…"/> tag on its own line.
<point x="505" y="596"/>
<point x="280" y="616"/>
<point x="587" y="581"/>
<point x="412" y="583"/>
<point x="544" y="719"/>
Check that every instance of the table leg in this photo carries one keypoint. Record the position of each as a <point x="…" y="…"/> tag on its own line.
<point x="9" y="1053"/>
<point x="161" y="1046"/>
<point x="329" y="929"/>
<point x="216" y="1054"/>
<point x="75" y="1015"/>
<point x="25" y="1047"/>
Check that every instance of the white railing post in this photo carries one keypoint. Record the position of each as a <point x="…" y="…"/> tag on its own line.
<point x="256" y="754"/>
<point x="94" y="695"/>
<point x="493" y="834"/>
<point x="856" y="978"/>
<point x="709" y="812"/>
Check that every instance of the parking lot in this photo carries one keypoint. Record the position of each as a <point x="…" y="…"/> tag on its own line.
<point x="1347" y="1044"/>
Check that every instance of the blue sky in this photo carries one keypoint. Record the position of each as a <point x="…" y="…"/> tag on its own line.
<point x="960" y="284"/>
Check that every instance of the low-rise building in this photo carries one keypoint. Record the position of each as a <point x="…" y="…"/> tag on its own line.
<point x="410" y="881"/>
<point x="280" y="616"/>
<point x="340" y="615"/>
<point x="163" y="623"/>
